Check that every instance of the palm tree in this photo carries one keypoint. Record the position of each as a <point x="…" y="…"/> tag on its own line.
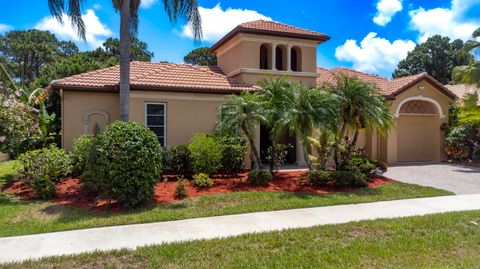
<point x="128" y="9"/>
<point x="362" y="106"/>
<point x="469" y="74"/>
<point x="294" y="107"/>
<point x="244" y="113"/>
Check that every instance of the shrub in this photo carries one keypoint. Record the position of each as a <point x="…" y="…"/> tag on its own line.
<point x="233" y="154"/>
<point x="276" y="155"/>
<point x="81" y="147"/>
<point x="180" y="189"/>
<point x="51" y="163"/>
<point x="259" y="176"/>
<point x="317" y="177"/>
<point x="124" y="163"/>
<point x="366" y="165"/>
<point x="18" y="123"/>
<point x="463" y="141"/>
<point x="177" y="160"/>
<point x="202" y="180"/>
<point x="206" y="153"/>
<point x="43" y="186"/>
<point x="349" y="179"/>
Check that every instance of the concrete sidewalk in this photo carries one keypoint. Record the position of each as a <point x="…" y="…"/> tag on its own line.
<point x="20" y="248"/>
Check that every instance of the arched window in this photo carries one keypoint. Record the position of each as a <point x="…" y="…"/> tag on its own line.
<point x="418" y="107"/>
<point x="296" y="59"/>
<point x="263" y="57"/>
<point x="281" y="57"/>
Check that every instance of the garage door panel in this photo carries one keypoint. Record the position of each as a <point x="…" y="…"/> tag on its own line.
<point x="417" y="138"/>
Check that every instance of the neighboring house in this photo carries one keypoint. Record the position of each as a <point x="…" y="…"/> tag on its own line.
<point x="462" y="90"/>
<point x="177" y="100"/>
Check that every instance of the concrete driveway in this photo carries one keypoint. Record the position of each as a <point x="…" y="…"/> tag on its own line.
<point x="455" y="178"/>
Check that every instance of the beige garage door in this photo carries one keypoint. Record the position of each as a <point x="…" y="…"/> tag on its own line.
<point x="418" y="138"/>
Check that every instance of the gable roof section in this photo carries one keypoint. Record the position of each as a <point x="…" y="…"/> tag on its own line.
<point x="156" y="76"/>
<point x="271" y="28"/>
<point x="389" y="87"/>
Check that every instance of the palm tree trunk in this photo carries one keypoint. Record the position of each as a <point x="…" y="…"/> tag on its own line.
<point x="256" y="156"/>
<point x="334" y="149"/>
<point x="124" y="59"/>
<point x="352" y="145"/>
<point x="306" y="156"/>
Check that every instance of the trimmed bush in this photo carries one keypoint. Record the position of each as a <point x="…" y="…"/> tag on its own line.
<point x="202" y="180"/>
<point x="177" y="160"/>
<point x="233" y="154"/>
<point x="181" y="189"/>
<point x="366" y="165"/>
<point x="206" y="153"/>
<point x="81" y="147"/>
<point x="259" y="176"/>
<point x="317" y="177"/>
<point x="43" y="186"/>
<point x="124" y="163"/>
<point x="49" y="163"/>
<point x="349" y="179"/>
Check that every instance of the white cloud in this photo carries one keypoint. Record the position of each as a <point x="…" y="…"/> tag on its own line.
<point x="95" y="30"/>
<point x="386" y="9"/>
<point x="5" y="27"/>
<point x="147" y="3"/>
<point x="217" y="22"/>
<point x="374" y="54"/>
<point x="451" y="22"/>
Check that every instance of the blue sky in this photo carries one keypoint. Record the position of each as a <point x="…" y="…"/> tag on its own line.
<point x="367" y="35"/>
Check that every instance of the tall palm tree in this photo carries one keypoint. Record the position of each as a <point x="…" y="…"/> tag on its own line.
<point x="362" y="106"/>
<point x="244" y="113"/>
<point x="469" y="74"/>
<point x="128" y="9"/>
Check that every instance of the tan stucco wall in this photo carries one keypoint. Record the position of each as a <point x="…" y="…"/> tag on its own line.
<point x="391" y="152"/>
<point x="255" y="78"/>
<point x="243" y="51"/>
<point x="75" y="106"/>
<point x="187" y="113"/>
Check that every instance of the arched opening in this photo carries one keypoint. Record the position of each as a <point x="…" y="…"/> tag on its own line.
<point x="264" y="55"/>
<point x="418" y="127"/>
<point x="296" y="59"/>
<point x="280" y="58"/>
<point x="94" y="121"/>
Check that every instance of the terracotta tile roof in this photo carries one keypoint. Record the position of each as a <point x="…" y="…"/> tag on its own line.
<point x="389" y="87"/>
<point x="273" y="28"/>
<point x="157" y="76"/>
<point x="461" y="90"/>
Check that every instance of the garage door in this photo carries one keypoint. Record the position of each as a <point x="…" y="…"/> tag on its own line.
<point x="418" y="138"/>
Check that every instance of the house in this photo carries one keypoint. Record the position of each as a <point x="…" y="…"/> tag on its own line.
<point x="177" y="100"/>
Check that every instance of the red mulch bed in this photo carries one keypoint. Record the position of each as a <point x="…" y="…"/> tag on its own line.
<point x="69" y="191"/>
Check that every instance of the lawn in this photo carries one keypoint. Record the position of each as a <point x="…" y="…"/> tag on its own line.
<point x="450" y="240"/>
<point x="30" y="217"/>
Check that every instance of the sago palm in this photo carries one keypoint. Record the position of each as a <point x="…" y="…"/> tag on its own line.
<point x="469" y="74"/>
<point x="187" y="9"/>
<point x="245" y="113"/>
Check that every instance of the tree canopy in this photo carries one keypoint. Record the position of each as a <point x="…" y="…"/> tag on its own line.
<point x="437" y="56"/>
<point x="201" y="56"/>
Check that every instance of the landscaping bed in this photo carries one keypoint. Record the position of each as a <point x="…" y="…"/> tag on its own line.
<point x="70" y="192"/>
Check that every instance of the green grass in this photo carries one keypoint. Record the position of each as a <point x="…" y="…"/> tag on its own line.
<point x="450" y="240"/>
<point x="7" y="172"/>
<point x="30" y="217"/>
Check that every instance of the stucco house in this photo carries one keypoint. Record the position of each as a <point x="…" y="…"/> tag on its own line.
<point x="177" y="100"/>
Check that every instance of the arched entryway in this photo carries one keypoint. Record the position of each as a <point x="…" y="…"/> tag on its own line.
<point x="418" y="129"/>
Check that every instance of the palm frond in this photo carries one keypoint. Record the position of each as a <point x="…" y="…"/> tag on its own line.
<point x="73" y="10"/>
<point x="187" y="9"/>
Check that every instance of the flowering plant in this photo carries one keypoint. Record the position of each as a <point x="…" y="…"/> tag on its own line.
<point x="18" y="123"/>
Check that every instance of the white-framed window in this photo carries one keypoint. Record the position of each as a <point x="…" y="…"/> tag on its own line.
<point x="156" y="120"/>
